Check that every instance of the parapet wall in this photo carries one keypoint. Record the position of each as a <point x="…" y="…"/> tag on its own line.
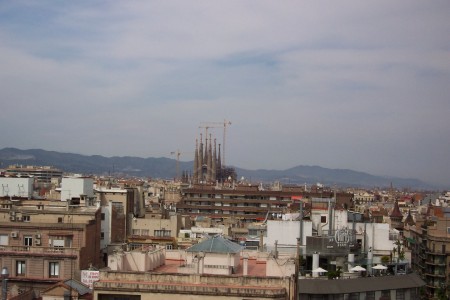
<point x="194" y="284"/>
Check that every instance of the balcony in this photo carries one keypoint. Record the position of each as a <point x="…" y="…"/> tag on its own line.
<point x="39" y="251"/>
<point x="436" y="253"/>
<point x="435" y="274"/>
<point x="436" y="262"/>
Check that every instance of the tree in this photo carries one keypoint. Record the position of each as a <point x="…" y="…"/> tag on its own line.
<point x="401" y="255"/>
<point x="441" y="293"/>
<point x="334" y="274"/>
<point x="385" y="259"/>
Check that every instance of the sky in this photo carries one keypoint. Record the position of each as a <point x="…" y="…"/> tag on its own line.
<point x="361" y="85"/>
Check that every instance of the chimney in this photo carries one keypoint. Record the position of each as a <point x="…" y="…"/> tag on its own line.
<point x="276" y="250"/>
<point x="245" y="272"/>
<point x="351" y="260"/>
<point x="315" y="263"/>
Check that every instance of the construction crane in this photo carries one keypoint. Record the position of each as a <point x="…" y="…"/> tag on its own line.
<point x="178" y="153"/>
<point x="223" y="124"/>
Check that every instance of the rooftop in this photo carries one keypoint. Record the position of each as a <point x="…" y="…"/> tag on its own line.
<point x="255" y="267"/>
<point x="360" y="284"/>
<point x="216" y="244"/>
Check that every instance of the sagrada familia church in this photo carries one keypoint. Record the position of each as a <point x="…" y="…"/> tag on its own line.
<point x="208" y="165"/>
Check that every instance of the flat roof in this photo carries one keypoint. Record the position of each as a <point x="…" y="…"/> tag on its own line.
<point x="360" y="284"/>
<point x="255" y="267"/>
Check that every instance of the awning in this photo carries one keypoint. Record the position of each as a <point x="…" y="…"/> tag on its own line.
<point x="411" y="240"/>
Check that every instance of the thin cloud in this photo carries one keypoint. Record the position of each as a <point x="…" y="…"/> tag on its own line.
<point x="360" y="85"/>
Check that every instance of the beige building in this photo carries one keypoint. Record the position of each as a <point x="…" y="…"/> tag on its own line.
<point x="157" y="228"/>
<point x="160" y="286"/>
<point x="43" y="242"/>
<point x="68" y="288"/>
<point x="213" y="269"/>
<point x="429" y="243"/>
<point x="363" y="197"/>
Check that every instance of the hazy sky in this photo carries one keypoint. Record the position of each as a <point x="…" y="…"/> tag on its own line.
<point x="362" y="85"/>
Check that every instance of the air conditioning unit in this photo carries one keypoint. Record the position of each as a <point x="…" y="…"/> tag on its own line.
<point x="12" y="218"/>
<point x="37" y="242"/>
<point x="14" y="234"/>
<point x="38" y="235"/>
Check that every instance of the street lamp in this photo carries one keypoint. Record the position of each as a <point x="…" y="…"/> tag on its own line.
<point x="5" y="275"/>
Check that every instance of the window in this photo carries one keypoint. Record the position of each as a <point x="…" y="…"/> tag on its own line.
<point x="136" y="232"/>
<point x="145" y="232"/>
<point x="28" y="240"/>
<point x="370" y="295"/>
<point x="353" y="296"/>
<point x="60" y="219"/>
<point x="4" y="238"/>
<point x="53" y="269"/>
<point x="20" y="268"/>
<point x="102" y="235"/>
<point x="26" y="218"/>
<point x="169" y="247"/>
<point x="323" y="219"/>
<point x="162" y="233"/>
<point x="400" y="295"/>
<point x="386" y="294"/>
<point x="60" y="242"/>
<point x="103" y="216"/>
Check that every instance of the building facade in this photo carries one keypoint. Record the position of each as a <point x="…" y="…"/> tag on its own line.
<point x="247" y="203"/>
<point x="429" y="243"/>
<point x="42" y="242"/>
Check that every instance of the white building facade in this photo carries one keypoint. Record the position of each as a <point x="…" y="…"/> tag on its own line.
<point x="77" y="188"/>
<point x="16" y="186"/>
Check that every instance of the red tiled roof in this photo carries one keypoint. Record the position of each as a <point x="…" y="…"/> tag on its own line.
<point x="396" y="213"/>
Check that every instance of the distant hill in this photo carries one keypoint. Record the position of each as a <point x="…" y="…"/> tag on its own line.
<point x="338" y="177"/>
<point x="166" y="168"/>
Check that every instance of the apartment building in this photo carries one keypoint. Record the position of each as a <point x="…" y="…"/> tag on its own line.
<point x="429" y="243"/>
<point x="157" y="228"/>
<point x="212" y="269"/>
<point x="247" y="203"/>
<point x="43" y="242"/>
<point x="43" y="175"/>
<point x="16" y="186"/>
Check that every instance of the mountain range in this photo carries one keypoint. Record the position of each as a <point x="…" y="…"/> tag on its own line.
<point x="166" y="168"/>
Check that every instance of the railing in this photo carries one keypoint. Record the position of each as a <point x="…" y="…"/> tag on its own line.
<point x="39" y="250"/>
<point x="436" y="262"/>
<point x="216" y="267"/>
<point x="435" y="274"/>
<point x="436" y="253"/>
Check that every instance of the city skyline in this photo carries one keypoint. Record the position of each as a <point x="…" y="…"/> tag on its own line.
<point x="359" y="85"/>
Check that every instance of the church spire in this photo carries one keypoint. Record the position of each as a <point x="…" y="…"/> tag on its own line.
<point x="213" y="164"/>
<point x="200" y="161"/>
<point x="209" y="161"/>
<point x="396" y="217"/>
<point x="196" y="162"/>
<point x="409" y="219"/>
